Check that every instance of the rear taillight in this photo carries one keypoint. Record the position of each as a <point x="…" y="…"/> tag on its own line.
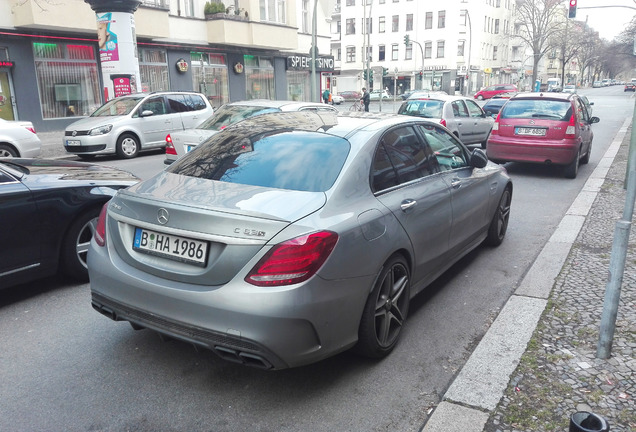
<point x="570" y="132"/>
<point x="100" y="229"/>
<point x="495" y="126"/>
<point x="442" y="122"/>
<point x="293" y="261"/>
<point x="30" y="129"/>
<point x="170" y="146"/>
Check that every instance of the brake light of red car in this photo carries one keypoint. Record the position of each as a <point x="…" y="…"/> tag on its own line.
<point x="293" y="261"/>
<point x="442" y="122"/>
<point x="170" y="146"/>
<point x="495" y="126"/>
<point x="100" y="229"/>
<point x="570" y="132"/>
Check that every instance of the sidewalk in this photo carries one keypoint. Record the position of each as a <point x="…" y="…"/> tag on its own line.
<point x="537" y="364"/>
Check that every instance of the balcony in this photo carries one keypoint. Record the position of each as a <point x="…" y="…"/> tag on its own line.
<point x="239" y="31"/>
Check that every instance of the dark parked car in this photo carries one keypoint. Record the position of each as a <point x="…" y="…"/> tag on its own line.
<point x="494" y="104"/>
<point x="289" y="237"/>
<point x="49" y="211"/>
<point x="552" y="128"/>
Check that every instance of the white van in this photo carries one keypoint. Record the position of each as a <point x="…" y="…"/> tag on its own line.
<point x="139" y="121"/>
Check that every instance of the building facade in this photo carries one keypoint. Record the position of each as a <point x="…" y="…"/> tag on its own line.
<point x="50" y="54"/>
<point x="456" y="46"/>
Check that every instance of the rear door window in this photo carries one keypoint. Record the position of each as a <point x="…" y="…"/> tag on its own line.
<point x="177" y="103"/>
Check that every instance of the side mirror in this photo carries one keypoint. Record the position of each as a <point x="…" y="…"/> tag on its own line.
<point x="147" y="113"/>
<point x="478" y="159"/>
<point x="594" y="120"/>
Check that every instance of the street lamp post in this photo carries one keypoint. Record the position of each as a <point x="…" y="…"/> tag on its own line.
<point x="470" y="43"/>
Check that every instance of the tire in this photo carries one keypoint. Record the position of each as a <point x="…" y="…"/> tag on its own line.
<point x="572" y="169"/>
<point x="499" y="224"/>
<point x="7" y="151"/>
<point x="480" y="97"/>
<point x="586" y="158"/>
<point x="386" y="310"/>
<point x="127" y="146"/>
<point x="75" y="245"/>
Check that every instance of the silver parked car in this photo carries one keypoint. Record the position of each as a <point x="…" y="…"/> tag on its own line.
<point x="180" y="143"/>
<point x="461" y="115"/>
<point x="140" y="121"/>
<point x="18" y="139"/>
<point x="289" y="237"/>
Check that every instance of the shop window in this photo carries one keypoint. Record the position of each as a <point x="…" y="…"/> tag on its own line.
<point x="67" y="79"/>
<point x="153" y="68"/>
<point x="210" y="77"/>
<point x="298" y="87"/>
<point x="259" y="77"/>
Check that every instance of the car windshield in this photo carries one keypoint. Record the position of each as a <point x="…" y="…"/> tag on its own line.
<point x="428" y="108"/>
<point x="117" y="107"/>
<point x="537" y="108"/>
<point x="230" y="114"/>
<point x="282" y="159"/>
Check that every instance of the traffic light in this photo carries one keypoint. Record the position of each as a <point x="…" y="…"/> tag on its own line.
<point x="368" y="77"/>
<point x="385" y="71"/>
<point x="572" y="12"/>
<point x="420" y="75"/>
<point x="407" y="40"/>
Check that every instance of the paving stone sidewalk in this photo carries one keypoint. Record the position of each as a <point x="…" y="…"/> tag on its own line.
<point x="559" y="374"/>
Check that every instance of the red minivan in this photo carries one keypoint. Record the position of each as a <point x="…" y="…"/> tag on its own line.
<point x="553" y="128"/>
<point x="490" y="91"/>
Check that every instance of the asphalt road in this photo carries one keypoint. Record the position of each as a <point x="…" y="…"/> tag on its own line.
<point x="64" y="367"/>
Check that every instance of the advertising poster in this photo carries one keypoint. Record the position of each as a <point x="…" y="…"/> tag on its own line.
<point x="118" y="53"/>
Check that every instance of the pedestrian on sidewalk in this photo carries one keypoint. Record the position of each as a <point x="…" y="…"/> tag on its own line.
<point x="325" y="96"/>
<point x="365" y="99"/>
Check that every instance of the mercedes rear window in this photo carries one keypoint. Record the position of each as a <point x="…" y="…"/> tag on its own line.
<point x="282" y="159"/>
<point x="230" y="114"/>
<point x="546" y="109"/>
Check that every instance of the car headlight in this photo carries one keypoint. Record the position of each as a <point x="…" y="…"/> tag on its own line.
<point x="101" y="130"/>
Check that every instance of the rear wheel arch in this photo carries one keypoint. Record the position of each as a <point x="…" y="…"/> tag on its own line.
<point x="8" y="148"/>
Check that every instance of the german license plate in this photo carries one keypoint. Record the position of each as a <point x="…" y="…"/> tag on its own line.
<point x="530" y="131"/>
<point x="73" y="142"/>
<point x="171" y="246"/>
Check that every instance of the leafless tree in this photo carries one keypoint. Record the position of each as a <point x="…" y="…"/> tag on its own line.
<point x="537" y="23"/>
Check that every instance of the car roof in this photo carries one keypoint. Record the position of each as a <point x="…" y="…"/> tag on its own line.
<point x="544" y="95"/>
<point x="283" y="105"/>
<point x="435" y="95"/>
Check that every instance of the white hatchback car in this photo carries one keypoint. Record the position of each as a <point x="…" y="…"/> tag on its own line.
<point x="140" y="121"/>
<point x="377" y="94"/>
<point x="18" y="139"/>
<point x="180" y="143"/>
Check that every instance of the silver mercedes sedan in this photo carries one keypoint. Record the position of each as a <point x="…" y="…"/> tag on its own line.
<point x="289" y="237"/>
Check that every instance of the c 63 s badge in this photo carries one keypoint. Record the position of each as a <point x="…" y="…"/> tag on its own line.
<point x="249" y="232"/>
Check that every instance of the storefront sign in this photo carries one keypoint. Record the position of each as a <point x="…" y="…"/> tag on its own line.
<point x="6" y="63"/>
<point x="182" y="65"/>
<point x="323" y="64"/>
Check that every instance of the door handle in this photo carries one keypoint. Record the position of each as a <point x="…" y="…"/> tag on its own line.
<point x="407" y="204"/>
<point x="456" y="183"/>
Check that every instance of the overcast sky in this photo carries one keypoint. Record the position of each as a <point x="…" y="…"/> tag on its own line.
<point x="609" y="22"/>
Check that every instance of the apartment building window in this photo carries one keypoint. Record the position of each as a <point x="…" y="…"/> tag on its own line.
<point x="381" y="23"/>
<point x="369" y="55"/>
<point x="440" y="49"/>
<point x="381" y="53"/>
<point x="496" y="26"/>
<point x="189" y="8"/>
<point x="351" y="26"/>
<point x="498" y="4"/>
<point x="210" y="76"/>
<point x="351" y="2"/>
<point x="428" y="49"/>
<point x="441" y="19"/>
<point x="304" y="24"/>
<point x="396" y="23"/>
<point x="338" y="27"/>
<point x="153" y="68"/>
<point x="408" y="53"/>
<point x="460" y="48"/>
<point x="259" y="77"/>
<point x="394" y="52"/>
<point x="381" y="1"/>
<point x="494" y="53"/>
<point x="66" y="75"/>
<point x="409" y="22"/>
<point x="428" y="24"/>
<point x="369" y="25"/>
<point x="351" y="54"/>
<point x="273" y="10"/>
<point x="160" y="4"/>
<point x="339" y="54"/>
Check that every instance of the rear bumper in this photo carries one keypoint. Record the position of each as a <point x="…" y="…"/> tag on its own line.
<point x="269" y="328"/>
<point x="560" y="152"/>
